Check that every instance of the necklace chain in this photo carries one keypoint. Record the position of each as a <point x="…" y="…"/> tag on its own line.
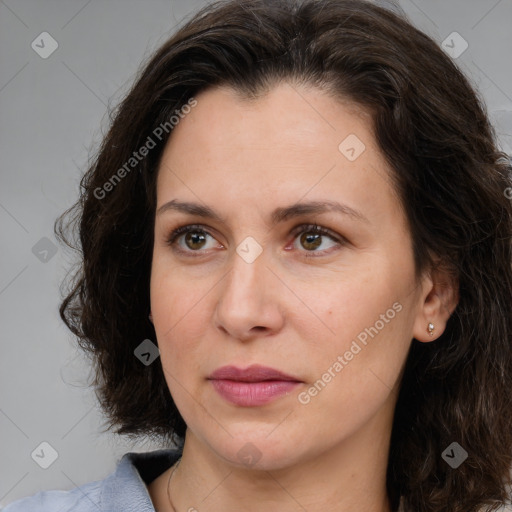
<point x="169" y="483"/>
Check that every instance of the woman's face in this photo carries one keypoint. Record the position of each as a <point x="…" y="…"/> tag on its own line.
<point x="253" y="283"/>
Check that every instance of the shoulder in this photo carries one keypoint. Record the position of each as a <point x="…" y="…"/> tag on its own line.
<point x="124" y="490"/>
<point x="85" y="498"/>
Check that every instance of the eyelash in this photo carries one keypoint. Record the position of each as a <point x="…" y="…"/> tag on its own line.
<point x="304" y="228"/>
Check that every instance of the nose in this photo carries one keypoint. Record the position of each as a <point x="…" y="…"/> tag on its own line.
<point x="248" y="304"/>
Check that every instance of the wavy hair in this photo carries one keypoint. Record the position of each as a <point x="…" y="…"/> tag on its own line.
<point x="451" y="177"/>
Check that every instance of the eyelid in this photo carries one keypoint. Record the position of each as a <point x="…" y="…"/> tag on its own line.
<point x="183" y="230"/>
<point x="315" y="228"/>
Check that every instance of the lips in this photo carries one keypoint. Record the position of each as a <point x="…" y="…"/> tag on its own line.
<point x="254" y="373"/>
<point x="253" y="386"/>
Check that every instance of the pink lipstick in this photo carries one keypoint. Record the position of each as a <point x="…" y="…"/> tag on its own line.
<point x="252" y="386"/>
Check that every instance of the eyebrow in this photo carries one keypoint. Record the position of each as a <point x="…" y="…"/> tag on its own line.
<point x="278" y="215"/>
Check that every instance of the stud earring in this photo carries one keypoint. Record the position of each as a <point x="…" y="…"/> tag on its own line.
<point x="150" y="316"/>
<point x="430" y="328"/>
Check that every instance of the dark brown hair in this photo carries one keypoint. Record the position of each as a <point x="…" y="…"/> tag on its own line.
<point x="435" y="134"/>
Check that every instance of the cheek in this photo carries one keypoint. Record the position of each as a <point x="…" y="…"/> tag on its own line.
<point x="179" y="316"/>
<point x="365" y="321"/>
<point x="339" y="310"/>
<point x="352" y="373"/>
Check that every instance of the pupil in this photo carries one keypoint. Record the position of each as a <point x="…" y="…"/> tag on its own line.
<point x="193" y="238"/>
<point x="313" y="240"/>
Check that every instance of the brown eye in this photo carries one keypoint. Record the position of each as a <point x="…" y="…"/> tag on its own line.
<point x="195" y="240"/>
<point x="311" y="241"/>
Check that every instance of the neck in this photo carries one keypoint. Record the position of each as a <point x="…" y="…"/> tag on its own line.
<point x="350" y="476"/>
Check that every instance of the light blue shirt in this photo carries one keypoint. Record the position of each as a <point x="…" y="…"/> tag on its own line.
<point x="124" y="490"/>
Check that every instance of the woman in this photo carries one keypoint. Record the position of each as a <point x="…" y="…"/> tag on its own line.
<point x="303" y="206"/>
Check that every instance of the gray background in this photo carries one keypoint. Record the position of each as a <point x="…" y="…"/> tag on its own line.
<point x="53" y="112"/>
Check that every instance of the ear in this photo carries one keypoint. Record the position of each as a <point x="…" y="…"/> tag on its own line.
<point x="439" y="298"/>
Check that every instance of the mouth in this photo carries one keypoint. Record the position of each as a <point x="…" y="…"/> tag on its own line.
<point x="253" y="386"/>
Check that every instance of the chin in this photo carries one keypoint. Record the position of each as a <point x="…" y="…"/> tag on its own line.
<point x="257" y="450"/>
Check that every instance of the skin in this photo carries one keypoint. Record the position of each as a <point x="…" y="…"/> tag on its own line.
<point x="284" y="310"/>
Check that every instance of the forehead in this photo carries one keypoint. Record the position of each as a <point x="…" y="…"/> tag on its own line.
<point x="290" y="143"/>
<point x="288" y="116"/>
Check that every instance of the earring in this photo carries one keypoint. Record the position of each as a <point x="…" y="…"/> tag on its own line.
<point x="430" y="328"/>
<point x="150" y="316"/>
